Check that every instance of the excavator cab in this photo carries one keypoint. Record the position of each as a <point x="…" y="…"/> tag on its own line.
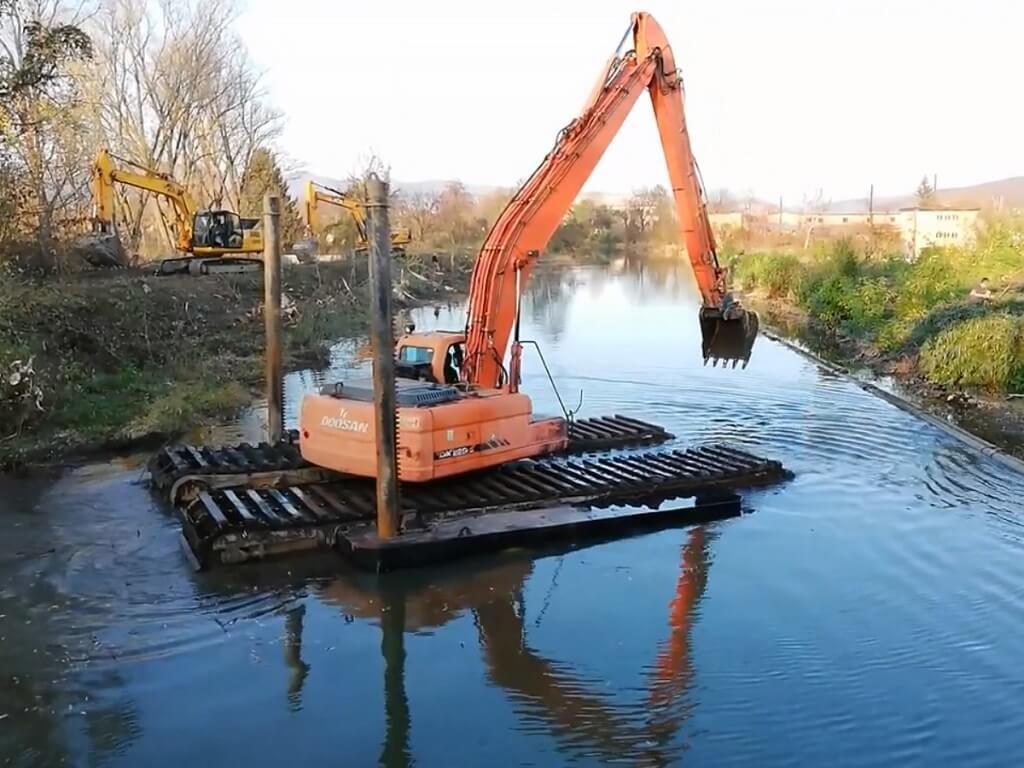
<point x="217" y="229"/>
<point x="435" y="356"/>
<point x="218" y="232"/>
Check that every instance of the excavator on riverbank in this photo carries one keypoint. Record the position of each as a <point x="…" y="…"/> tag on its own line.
<point x="321" y="193"/>
<point x="212" y="241"/>
<point x="460" y="408"/>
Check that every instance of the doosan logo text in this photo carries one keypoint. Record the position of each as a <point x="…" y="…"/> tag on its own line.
<point x="343" y="422"/>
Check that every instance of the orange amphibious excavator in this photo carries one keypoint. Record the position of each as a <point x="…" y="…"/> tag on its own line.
<point x="459" y="405"/>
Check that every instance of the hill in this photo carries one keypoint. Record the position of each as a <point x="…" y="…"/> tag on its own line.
<point x="1004" y="193"/>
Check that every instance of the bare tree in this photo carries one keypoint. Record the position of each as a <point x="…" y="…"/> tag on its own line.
<point x="721" y="201"/>
<point x="418" y="212"/>
<point x="41" y="47"/>
<point x="174" y="91"/>
<point x="455" y="217"/>
<point x="814" y="203"/>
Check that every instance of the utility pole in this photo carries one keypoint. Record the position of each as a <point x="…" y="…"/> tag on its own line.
<point x="871" y="216"/>
<point x="381" y="336"/>
<point x="272" y="316"/>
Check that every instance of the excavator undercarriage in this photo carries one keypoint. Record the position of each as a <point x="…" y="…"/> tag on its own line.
<point x="247" y="502"/>
<point x="209" y="265"/>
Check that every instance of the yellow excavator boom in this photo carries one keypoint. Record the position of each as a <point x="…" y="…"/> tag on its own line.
<point x="319" y="193"/>
<point x="212" y="240"/>
<point x="105" y="175"/>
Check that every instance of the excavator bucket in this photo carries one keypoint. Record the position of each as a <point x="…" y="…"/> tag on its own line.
<point x="101" y="250"/>
<point x="306" y="250"/>
<point x="728" y="339"/>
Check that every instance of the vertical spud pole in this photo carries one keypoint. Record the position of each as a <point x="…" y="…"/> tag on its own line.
<point x="379" y="237"/>
<point x="272" y="315"/>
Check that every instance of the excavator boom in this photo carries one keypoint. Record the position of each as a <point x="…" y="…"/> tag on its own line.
<point x="209" y="238"/>
<point x="459" y="406"/>
<point x="526" y="225"/>
<point x="105" y="174"/>
<point x="319" y="193"/>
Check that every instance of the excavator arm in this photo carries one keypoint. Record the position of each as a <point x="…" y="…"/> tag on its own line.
<point x="526" y="225"/>
<point x="106" y="174"/>
<point x="317" y="193"/>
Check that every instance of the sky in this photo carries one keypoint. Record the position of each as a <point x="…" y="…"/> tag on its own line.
<point x="783" y="97"/>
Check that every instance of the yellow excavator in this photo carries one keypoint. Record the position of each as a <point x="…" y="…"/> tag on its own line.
<point x="212" y="241"/>
<point x="320" y="193"/>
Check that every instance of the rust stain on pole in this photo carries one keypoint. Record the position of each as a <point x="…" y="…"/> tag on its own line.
<point x="272" y="315"/>
<point x="379" y="240"/>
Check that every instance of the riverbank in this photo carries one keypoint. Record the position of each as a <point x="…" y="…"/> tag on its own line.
<point x="917" y="326"/>
<point x="108" y="361"/>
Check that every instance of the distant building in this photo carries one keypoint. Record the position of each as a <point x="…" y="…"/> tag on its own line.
<point x="918" y="228"/>
<point x="924" y="227"/>
<point x="729" y="220"/>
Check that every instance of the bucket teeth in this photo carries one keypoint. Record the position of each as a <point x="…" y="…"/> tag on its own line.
<point x="729" y="339"/>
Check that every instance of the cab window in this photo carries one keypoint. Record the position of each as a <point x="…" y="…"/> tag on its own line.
<point x="415" y="355"/>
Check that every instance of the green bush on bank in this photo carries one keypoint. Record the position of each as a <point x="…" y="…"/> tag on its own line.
<point x="985" y="353"/>
<point x="902" y="306"/>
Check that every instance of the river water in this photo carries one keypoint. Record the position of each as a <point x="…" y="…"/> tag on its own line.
<point x="869" y="612"/>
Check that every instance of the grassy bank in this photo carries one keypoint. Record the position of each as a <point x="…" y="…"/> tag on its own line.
<point x="102" y="360"/>
<point x="961" y="355"/>
<point x="918" y="314"/>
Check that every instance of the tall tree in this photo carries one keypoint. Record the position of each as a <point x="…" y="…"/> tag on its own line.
<point x="41" y="44"/>
<point x="455" y="218"/>
<point x="174" y="90"/>
<point x="925" y="193"/>
<point x="263" y="175"/>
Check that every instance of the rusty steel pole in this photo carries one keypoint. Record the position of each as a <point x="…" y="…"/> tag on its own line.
<point x="272" y="315"/>
<point x="379" y="240"/>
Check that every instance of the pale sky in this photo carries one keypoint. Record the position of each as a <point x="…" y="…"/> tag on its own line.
<point x="783" y="96"/>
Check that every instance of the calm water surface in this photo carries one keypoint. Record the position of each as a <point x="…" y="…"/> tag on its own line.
<point x="870" y="612"/>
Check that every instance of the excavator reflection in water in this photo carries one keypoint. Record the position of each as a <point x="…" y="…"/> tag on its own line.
<point x="582" y="717"/>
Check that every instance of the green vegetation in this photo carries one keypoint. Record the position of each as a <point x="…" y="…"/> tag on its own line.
<point x="92" y="363"/>
<point x="600" y="232"/>
<point x="263" y="176"/>
<point x="985" y="353"/>
<point x="900" y="308"/>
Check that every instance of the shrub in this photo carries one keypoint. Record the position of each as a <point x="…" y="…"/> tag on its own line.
<point x="829" y="297"/>
<point x="780" y="275"/>
<point x="985" y="353"/>
<point x="777" y="274"/>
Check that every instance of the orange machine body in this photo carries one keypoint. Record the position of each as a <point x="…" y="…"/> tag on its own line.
<point x="442" y="430"/>
<point x="476" y="417"/>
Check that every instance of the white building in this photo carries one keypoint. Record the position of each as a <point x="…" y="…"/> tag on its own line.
<point x="918" y="228"/>
<point x="924" y="227"/>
